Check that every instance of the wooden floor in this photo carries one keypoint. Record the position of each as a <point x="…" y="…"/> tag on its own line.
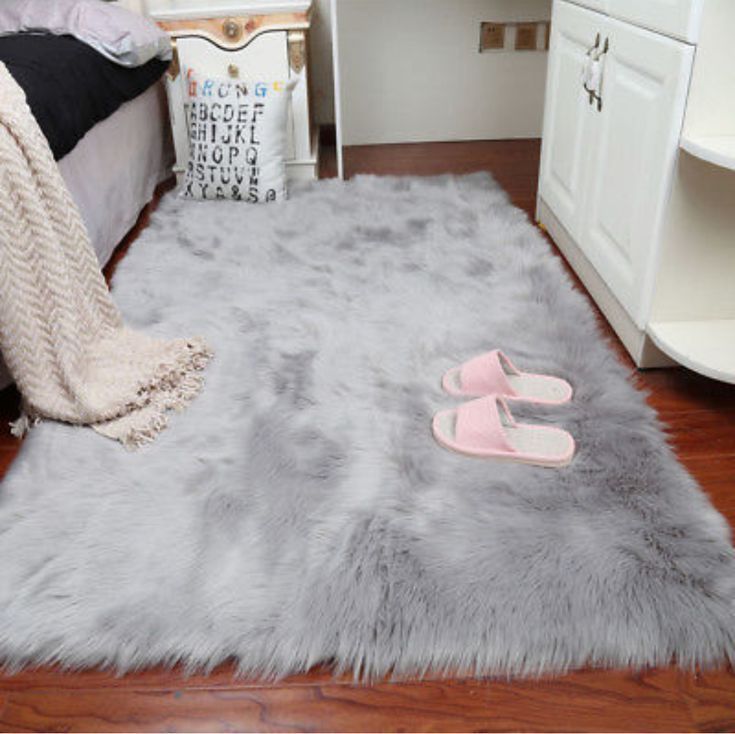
<point x="701" y="417"/>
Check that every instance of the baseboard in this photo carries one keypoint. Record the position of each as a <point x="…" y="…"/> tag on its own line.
<point x="638" y="344"/>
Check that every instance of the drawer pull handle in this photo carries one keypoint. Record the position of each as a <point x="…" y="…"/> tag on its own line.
<point x="593" y="72"/>
<point x="232" y="29"/>
<point x="233" y="70"/>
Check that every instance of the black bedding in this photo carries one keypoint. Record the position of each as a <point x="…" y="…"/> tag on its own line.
<point x="70" y="86"/>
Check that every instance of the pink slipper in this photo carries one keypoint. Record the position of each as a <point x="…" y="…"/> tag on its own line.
<point x="486" y="429"/>
<point x="494" y="374"/>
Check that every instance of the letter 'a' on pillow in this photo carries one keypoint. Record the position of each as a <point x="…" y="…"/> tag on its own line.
<point x="127" y="38"/>
<point x="237" y="138"/>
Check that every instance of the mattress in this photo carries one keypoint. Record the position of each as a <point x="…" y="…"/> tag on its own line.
<point x="114" y="169"/>
<point x="69" y="86"/>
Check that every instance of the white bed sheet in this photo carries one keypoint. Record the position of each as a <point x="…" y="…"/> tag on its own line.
<point x="113" y="170"/>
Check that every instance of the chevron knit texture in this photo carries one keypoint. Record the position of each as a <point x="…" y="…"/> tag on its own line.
<point x="61" y="335"/>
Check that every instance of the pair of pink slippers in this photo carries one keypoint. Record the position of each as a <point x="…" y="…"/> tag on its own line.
<point x="485" y="427"/>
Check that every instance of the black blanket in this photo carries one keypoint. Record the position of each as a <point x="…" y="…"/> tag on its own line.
<point x="70" y="86"/>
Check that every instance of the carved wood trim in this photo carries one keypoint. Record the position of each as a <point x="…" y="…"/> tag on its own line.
<point x="174" y="67"/>
<point x="235" y="32"/>
<point x="297" y="51"/>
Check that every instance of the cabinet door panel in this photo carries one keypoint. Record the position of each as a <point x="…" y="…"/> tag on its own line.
<point x="678" y="18"/>
<point x="635" y="141"/>
<point x="567" y="113"/>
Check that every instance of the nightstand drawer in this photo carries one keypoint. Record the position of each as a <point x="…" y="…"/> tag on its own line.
<point x="266" y="57"/>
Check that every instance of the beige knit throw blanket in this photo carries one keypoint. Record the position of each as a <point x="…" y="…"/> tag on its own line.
<point x="61" y="335"/>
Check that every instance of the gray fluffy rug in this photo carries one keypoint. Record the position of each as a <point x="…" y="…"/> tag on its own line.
<point x="300" y="510"/>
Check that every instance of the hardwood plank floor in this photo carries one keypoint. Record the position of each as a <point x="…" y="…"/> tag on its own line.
<point x="700" y="415"/>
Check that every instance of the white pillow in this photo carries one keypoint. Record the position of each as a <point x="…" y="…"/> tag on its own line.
<point x="237" y="138"/>
<point x="124" y="37"/>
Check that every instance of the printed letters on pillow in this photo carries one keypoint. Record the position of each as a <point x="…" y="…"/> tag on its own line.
<point x="237" y="136"/>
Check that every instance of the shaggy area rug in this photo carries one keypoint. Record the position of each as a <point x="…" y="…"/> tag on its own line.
<point x="300" y="511"/>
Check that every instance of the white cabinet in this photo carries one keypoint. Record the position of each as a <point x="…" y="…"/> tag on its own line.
<point x="607" y="161"/>
<point x="633" y="144"/>
<point x="567" y="114"/>
<point x="677" y="18"/>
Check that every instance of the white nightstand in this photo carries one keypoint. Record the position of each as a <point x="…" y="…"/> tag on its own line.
<point x="232" y="38"/>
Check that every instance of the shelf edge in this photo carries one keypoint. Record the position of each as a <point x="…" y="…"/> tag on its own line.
<point x="694" y="146"/>
<point x="665" y="344"/>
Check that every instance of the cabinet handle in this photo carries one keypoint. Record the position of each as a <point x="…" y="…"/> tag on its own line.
<point x="590" y="57"/>
<point x="605" y="49"/>
<point x="595" y="56"/>
<point x="594" y="48"/>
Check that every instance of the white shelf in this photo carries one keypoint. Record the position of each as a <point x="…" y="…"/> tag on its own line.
<point x="716" y="149"/>
<point x="707" y="347"/>
<point x="187" y="9"/>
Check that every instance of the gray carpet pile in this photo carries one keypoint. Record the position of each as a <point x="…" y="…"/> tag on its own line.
<point x="300" y="512"/>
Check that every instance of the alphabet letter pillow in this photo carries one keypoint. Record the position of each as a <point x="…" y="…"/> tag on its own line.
<point x="237" y="139"/>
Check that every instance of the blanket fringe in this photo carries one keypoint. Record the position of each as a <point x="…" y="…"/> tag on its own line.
<point x="173" y="388"/>
<point x="21" y="425"/>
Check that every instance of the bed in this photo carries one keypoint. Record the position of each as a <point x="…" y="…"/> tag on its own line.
<point x="106" y="125"/>
<point x="113" y="171"/>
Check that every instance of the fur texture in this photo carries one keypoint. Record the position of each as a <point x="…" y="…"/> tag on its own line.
<point x="300" y="510"/>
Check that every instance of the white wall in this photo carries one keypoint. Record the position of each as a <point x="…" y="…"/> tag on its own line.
<point x="420" y="45"/>
<point x="410" y="71"/>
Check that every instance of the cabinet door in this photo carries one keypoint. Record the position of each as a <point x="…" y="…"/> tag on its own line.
<point x="635" y="142"/>
<point x="678" y="18"/>
<point x="568" y="114"/>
